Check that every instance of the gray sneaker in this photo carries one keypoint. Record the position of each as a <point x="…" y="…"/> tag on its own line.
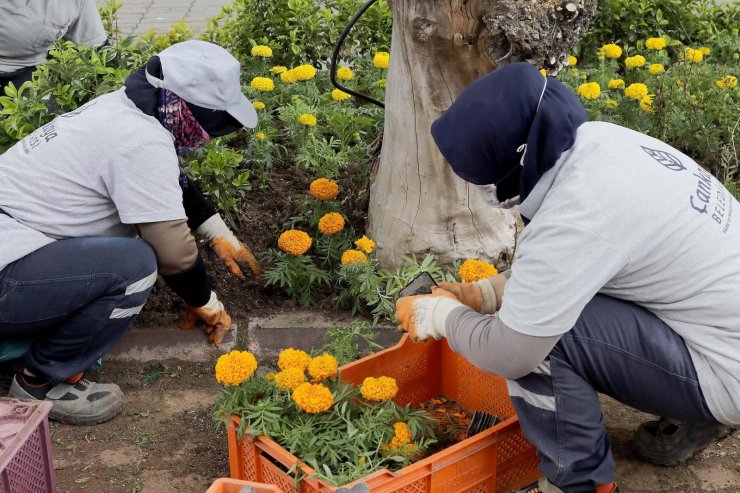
<point x="81" y="403"/>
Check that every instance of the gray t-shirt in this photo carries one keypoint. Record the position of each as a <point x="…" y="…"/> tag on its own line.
<point x="95" y="171"/>
<point x="629" y="216"/>
<point x="29" y="28"/>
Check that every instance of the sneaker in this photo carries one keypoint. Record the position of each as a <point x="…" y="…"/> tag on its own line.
<point x="80" y="403"/>
<point x="667" y="442"/>
<point x="542" y="485"/>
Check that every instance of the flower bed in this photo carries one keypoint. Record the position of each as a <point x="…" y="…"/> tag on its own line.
<point x="496" y="459"/>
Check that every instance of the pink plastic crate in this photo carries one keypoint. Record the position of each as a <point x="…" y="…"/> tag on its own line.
<point x="26" y="464"/>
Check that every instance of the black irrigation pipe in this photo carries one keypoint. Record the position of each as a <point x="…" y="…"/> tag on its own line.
<point x="337" y="49"/>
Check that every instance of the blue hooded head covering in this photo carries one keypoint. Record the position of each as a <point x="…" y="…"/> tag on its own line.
<point x="482" y="133"/>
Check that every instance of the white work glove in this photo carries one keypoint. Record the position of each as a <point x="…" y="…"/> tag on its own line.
<point x="227" y="246"/>
<point x="425" y="316"/>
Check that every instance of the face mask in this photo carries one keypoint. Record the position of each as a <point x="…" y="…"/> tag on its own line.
<point x="488" y="194"/>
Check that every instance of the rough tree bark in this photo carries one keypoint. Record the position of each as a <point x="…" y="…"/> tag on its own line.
<point x="417" y="205"/>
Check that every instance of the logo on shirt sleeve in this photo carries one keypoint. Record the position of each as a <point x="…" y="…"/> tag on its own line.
<point x="665" y="158"/>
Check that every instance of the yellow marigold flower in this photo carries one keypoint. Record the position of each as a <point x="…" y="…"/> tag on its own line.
<point x="636" y="91"/>
<point x="262" y="84"/>
<point x="382" y="59"/>
<point x="365" y="244"/>
<point x="362" y="460"/>
<point x="726" y="82"/>
<point x="262" y="51"/>
<point x="313" y="398"/>
<point x="572" y="60"/>
<point x="339" y="95"/>
<point x="290" y="378"/>
<point x="258" y="105"/>
<point x="278" y="69"/>
<point x="379" y="389"/>
<point x="307" y="120"/>
<point x="235" y="367"/>
<point x="636" y="61"/>
<point x="646" y="103"/>
<point x="611" y="102"/>
<point x="294" y="242"/>
<point x="616" y="83"/>
<point x="655" y="44"/>
<point x="331" y="223"/>
<point x="589" y="90"/>
<point x="260" y="135"/>
<point x="401" y="435"/>
<point x="353" y="257"/>
<point x="611" y="51"/>
<point x="705" y="50"/>
<point x="324" y="189"/>
<point x="680" y="83"/>
<point x="288" y="76"/>
<point x="474" y="270"/>
<point x="345" y="73"/>
<point x="691" y="55"/>
<point x="543" y="72"/>
<point x="304" y="72"/>
<point x="381" y="83"/>
<point x="293" y="358"/>
<point x="324" y="366"/>
<point x="656" y="68"/>
<point x="270" y="377"/>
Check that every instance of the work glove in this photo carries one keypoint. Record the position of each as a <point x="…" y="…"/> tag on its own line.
<point x="424" y="316"/>
<point x="479" y="295"/>
<point x="214" y="317"/>
<point x="227" y="246"/>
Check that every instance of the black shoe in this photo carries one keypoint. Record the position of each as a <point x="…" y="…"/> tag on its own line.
<point x="667" y="442"/>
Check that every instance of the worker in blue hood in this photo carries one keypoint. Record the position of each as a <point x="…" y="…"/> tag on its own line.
<point x="599" y="298"/>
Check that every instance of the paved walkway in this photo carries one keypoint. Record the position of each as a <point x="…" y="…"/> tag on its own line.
<point x="138" y="16"/>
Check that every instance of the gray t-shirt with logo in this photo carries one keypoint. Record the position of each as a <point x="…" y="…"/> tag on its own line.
<point x="29" y="27"/>
<point x="96" y="171"/>
<point x="629" y="216"/>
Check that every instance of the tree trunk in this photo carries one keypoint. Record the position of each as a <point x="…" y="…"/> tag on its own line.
<point x="417" y="204"/>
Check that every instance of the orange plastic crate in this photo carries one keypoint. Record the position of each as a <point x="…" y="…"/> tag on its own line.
<point x="225" y="485"/>
<point x="496" y="460"/>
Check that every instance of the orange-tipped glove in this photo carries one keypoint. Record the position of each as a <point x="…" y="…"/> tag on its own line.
<point x="227" y="246"/>
<point x="214" y="317"/>
<point x="424" y="316"/>
<point x="479" y="295"/>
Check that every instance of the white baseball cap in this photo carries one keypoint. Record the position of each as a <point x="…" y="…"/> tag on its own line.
<point x="206" y="75"/>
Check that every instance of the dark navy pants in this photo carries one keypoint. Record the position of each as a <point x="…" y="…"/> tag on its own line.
<point x="77" y="298"/>
<point x="616" y="348"/>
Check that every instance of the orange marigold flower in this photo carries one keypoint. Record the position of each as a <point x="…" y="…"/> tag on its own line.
<point x="324" y="366"/>
<point x="324" y="189"/>
<point x="331" y="223"/>
<point x="353" y="257"/>
<point x="365" y="244"/>
<point x="294" y="242"/>
<point x="313" y="398"/>
<point x="235" y="367"/>
<point x="474" y="270"/>
<point x="379" y="389"/>
<point x="293" y="358"/>
<point x="290" y="378"/>
<point x="402" y="435"/>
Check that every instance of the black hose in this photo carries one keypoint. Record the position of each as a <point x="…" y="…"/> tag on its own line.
<point x="337" y="49"/>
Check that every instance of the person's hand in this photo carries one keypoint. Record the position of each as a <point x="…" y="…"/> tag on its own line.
<point x="227" y="246"/>
<point x="479" y="295"/>
<point x="215" y="320"/>
<point x="424" y="316"/>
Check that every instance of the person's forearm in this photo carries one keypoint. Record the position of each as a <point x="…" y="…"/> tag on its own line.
<point x="197" y="207"/>
<point x="493" y="347"/>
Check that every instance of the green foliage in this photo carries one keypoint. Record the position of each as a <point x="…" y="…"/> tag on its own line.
<point x="220" y="174"/>
<point x="345" y="343"/>
<point x="297" y="275"/>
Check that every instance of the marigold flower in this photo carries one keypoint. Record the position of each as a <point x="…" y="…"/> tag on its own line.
<point x="345" y="73"/>
<point x="294" y="242"/>
<point x="331" y="223"/>
<point x="656" y="68"/>
<point x="262" y="51"/>
<point x="260" y="135"/>
<point x="307" y="120"/>
<point x="258" y="105"/>
<point x="353" y="257"/>
<point x="288" y="76"/>
<point x="339" y="95"/>
<point x="616" y="83"/>
<point x="290" y="378"/>
<point x="610" y="51"/>
<point x="381" y="83"/>
<point x="474" y="270"/>
<point x="705" y="50"/>
<point x="304" y="72"/>
<point x="691" y="55"/>
<point x="362" y="460"/>
<point x="572" y="60"/>
<point x="324" y="189"/>
<point x="379" y="389"/>
<point x="680" y="83"/>
<point x="382" y="59"/>
<point x="401" y="437"/>
<point x="262" y="84"/>
<point x="293" y="358"/>
<point x="646" y="103"/>
<point x="726" y="82"/>
<point x="313" y="398"/>
<point x="278" y="69"/>
<point x="611" y="102"/>
<point x="543" y="72"/>
<point x="235" y="367"/>
<point x="365" y="244"/>
<point x="655" y="43"/>
<point x="324" y="366"/>
<point x="636" y="91"/>
<point x="589" y="90"/>
<point x="636" y="61"/>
